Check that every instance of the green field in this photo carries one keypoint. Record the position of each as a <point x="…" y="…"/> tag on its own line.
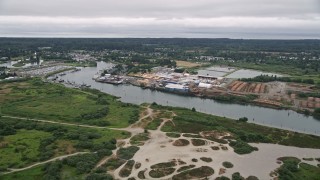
<point x="30" y="174"/>
<point x="37" y="173"/>
<point x="293" y="169"/>
<point x="37" y="99"/>
<point x="26" y="142"/>
<point x="22" y="148"/>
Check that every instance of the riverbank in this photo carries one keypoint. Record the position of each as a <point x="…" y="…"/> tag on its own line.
<point x="285" y="119"/>
<point x="249" y="99"/>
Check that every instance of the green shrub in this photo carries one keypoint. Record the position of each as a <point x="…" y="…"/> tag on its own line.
<point x="127" y="153"/>
<point x="227" y="164"/>
<point x="241" y="147"/>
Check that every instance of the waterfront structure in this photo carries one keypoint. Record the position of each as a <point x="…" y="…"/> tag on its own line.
<point x="177" y="88"/>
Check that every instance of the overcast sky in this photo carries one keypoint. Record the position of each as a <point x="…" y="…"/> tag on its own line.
<point x="280" y="19"/>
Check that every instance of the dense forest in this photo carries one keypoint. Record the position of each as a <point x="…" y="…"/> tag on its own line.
<point x="144" y="44"/>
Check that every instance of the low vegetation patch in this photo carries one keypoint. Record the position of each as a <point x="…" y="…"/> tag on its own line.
<point x="290" y="169"/>
<point x="173" y="135"/>
<point x="225" y="148"/>
<point x="127" y="153"/>
<point x="141" y="174"/>
<point x="241" y="147"/>
<point x="252" y="178"/>
<point x="237" y="176"/>
<point x="163" y="165"/>
<point x="183" y="168"/>
<point x="114" y="163"/>
<point x="127" y="168"/>
<point x="201" y="172"/>
<point x="215" y="148"/>
<point x="162" y="169"/>
<point x="192" y="135"/>
<point x="222" y="178"/>
<point x="206" y="159"/>
<point x="227" y="164"/>
<point x="181" y="142"/>
<point x="198" y="142"/>
<point x="308" y="159"/>
<point x="159" y="173"/>
<point x="139" y="139"/>
<point x="153" y="125"/>
<point x="137" y="165"/>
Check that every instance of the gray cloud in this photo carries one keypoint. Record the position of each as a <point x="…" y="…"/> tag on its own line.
<point x="165" y="18"/>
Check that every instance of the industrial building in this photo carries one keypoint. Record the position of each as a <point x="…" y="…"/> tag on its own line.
<point x="177" y="88"/>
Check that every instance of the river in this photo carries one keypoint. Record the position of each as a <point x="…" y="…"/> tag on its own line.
<point x="284" y="119"/>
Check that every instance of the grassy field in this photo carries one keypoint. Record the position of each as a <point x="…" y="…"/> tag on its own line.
<point x="35" y="142"/>
<point x="30" y="174"/>
<point x="187" y="64"/>
<point x="22" y="148"/>
<point x="36" y="99"/>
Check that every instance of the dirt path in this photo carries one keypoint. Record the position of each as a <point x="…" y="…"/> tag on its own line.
<point x="55" y="122"/>
<point x="44" y="162"/>
<point x="134" y="129"/>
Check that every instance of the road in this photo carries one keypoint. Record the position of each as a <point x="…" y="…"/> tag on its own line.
<point x="54" y="122"/>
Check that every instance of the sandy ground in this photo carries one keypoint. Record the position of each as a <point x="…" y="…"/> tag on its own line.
<point x="187" y="64"/>
<point x="260" y="163"/>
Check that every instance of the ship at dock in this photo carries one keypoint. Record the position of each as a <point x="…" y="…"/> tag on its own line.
<point x="110" y="79"/>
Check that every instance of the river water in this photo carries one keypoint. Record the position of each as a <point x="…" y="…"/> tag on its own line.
<point x="285" y="119"/>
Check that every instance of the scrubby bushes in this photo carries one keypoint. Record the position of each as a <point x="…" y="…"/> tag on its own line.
<point x="126" y="170"/>
<point x="84" y="163"/>
<point x="52" y="170"/>
<point x="6" y="129"/>
<point x="96" y="176"/>
<point x="95" y="115"/>
<point x="114" y="163"/>
<point x="198" y="142"/>
<point x="241" y="147"/>
<point x="197" y="173"/>
<point x="227" y="164"/>
<point x="134" y="117"/>
<point x="237" y="99"/>
<point x="127" y="153"/>
<point x="206" y="159"/>
<point x="46" y="149"/>
<point x="83" y="140"/>
<point x="173" y="135"/>
<point x="237" y="176"/>
<point x="243" y="119"/>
